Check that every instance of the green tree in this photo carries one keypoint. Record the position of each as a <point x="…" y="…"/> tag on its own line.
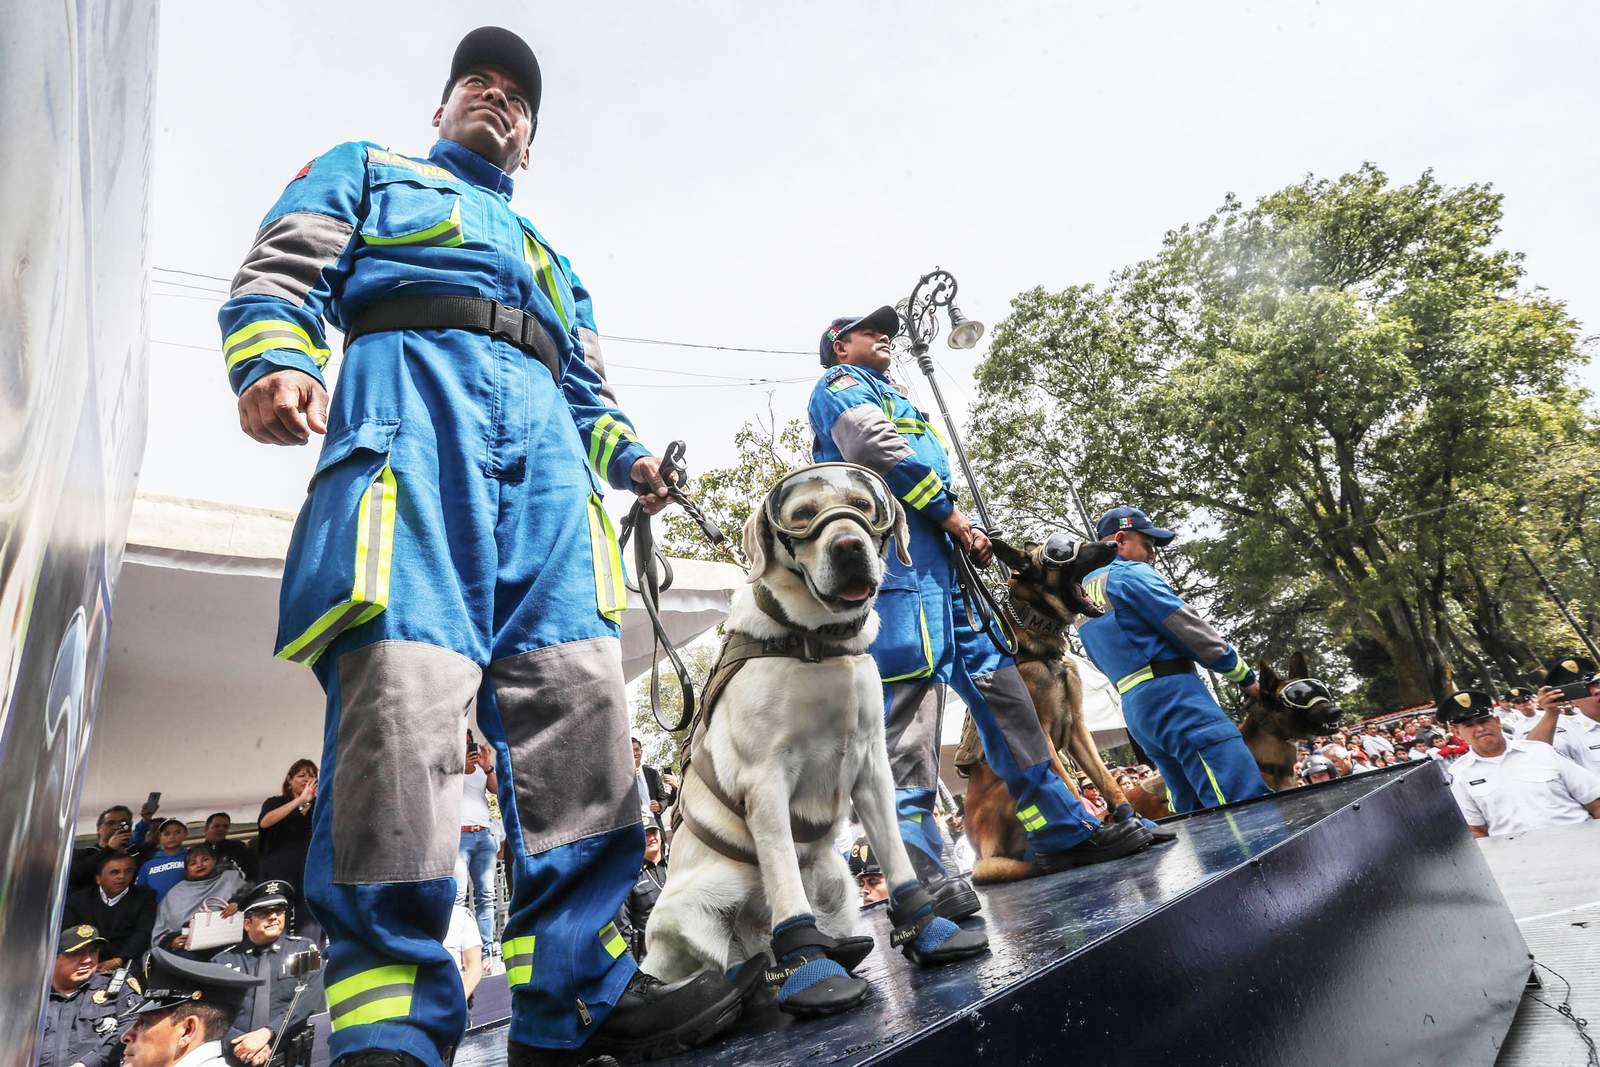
<point x="660" y="747"/>
<point x="1339" y="391"/>
<point x="728" y="495"/>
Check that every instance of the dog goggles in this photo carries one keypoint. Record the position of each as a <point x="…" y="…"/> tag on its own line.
<point x="1064" y="550"/>
<point x="800" y="505"/>
<point x="1305" y="693"/>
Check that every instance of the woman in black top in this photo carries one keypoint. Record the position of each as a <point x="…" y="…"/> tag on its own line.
<point x="285" y="825"/>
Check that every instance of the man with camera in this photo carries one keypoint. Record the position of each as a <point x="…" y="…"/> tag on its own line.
<point x="268" y="953"/>
<point x="1570" y="700"/>
<point x="82" y="1018"/>
<point x="1507" y="787"/>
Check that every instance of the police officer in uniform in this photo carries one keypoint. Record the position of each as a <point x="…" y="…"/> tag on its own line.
<point x="184" y="1009"/>
<point x="1148" y="642"/>
<point x="80" y="1017"/>
<point x="265" y="953"/>
<point x="1519" y="715"/>
<point x="859" y="416"/>
<point x="454" y="552"/>
<point x="1577" y="722"/>
<point x="1506" y="787"/>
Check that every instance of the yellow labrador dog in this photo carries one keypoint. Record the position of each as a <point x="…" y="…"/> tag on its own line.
<point x="791" y="735"/>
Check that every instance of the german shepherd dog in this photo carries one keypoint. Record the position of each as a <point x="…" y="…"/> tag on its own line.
<point x="1270" y="729"/>
<point x="1046" y="595"/>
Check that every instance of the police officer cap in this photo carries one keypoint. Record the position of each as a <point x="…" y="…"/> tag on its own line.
<point x="1568" y="669"/>
<point x="884" y="320"/>
<point x="492" y="46"/>
<point x="862" y="861"/>
<point x="171" y="980"/>
<point x="75" y="938"/>
<point x="1517" y="694"/>
<point x="1465" y="706"/>
<point x="1126" y="518"/>
<point x="269" y="894"/>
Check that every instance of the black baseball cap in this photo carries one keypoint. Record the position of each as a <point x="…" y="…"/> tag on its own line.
<point x="171" y="980"/>
<point x="1517" y="694"/>
<point x="1469" y="705"/>
<point x="78" y="937"/>
<point x="1567" y="669"/>
<point x="1126" y="518"/>
<point x="884" y="320"/>
<point x="492" y="46"/>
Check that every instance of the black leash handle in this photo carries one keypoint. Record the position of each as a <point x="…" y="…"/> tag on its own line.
<point x="983" y="610"/>
<point x="654" y="575"/>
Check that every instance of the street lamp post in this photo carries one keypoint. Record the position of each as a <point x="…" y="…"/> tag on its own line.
<point x="919" y="318"/>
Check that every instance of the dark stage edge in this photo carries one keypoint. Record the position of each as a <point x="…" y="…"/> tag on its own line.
<point x="1348" y="923"/>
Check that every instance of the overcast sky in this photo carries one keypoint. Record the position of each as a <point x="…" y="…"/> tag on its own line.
<point x="738" y="174"/>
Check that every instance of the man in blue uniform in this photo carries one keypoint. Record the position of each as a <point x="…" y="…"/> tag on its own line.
<point x="859" y="416"/>
<point x="265" y="952"/>
<point x="81" y="1025"/>
<point x="1148" y="642"/>
<point x="452" y="551"/>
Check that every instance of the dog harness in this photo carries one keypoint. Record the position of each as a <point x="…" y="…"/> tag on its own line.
<point x="812" y="646"/>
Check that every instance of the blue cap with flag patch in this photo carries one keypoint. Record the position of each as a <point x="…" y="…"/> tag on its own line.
<point x="884" y="320"/>
<point x="1126" y="518"/>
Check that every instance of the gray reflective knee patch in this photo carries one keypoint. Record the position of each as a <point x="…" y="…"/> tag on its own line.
<point x="566" y="722"/>
<point x="1007" y="697"/>
<point x="911" y="730"/>
<point x="398" y="759"/>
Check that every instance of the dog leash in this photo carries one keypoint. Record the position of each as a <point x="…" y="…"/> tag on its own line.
<point x="654" y="576"/>
<point x="983" y="609"/>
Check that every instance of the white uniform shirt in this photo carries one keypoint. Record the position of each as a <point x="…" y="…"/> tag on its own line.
<point x="205" y="1055"/>
<point x="1529" y="787"/>
<point x="1520" y="724"/>
<point x="1578" y="739"/>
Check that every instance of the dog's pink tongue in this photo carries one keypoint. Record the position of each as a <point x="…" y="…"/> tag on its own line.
<point x="855" y="593"/>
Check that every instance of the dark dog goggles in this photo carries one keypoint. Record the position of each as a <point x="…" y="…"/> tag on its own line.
<point x="800" y="505"/>
<point x="1063" y="550"/>
<point x="1305" y="693"/>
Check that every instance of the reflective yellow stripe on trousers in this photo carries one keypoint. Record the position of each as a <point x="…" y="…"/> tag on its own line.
<point x="610" y="591"/>
<point x="372" y="996"/>
<point x="370" y="593"/>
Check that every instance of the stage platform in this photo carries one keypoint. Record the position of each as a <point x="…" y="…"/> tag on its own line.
<point x="1348" y="923"/>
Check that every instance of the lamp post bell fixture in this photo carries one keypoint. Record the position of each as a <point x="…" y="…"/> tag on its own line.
<point x="919" y="322"/>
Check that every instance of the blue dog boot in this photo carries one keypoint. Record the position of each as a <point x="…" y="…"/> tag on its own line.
<point x="1124" y="811"/>
<point x="927" y="939"/>
<point x="810" y="984"/>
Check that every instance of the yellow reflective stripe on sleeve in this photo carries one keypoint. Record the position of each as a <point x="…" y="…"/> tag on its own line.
<point x="1240" y="669"/>
<point x="250" y="341"/>
<point x="371" y="996"/>
<point x="1128" y="681"/>
<point x="927" y="652"/>
<point x="445" y="233"/>
<point x="607" y="433"/>
<point x="924" y="491"/>
<point x="610" y="591"/>
<point x="916" y="427"/>
<point x="1031" y="818"/>
<point x="1215" y="788"/>
<point x="518" y="956"/>
<point x="544" y="272"/>
<point x="611" y="938"/>
<point x="369" y="592"/>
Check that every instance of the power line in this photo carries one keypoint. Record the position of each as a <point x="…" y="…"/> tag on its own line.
<point x="730" y="381"/>
<point x="195" y="274"/>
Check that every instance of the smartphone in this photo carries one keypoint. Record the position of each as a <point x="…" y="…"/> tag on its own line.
<point x="1574" y="691"/>
<point x="472" y="744"/>
<point x="153" y="801"/>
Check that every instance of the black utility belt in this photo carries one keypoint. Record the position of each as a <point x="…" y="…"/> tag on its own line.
<point x="474" y="313"/>
<point x="1166" y="668"/>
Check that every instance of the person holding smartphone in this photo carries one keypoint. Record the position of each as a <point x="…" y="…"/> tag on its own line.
<point x="475" y="860"/>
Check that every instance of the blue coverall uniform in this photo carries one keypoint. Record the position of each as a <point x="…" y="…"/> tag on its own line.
<point x="859" y="416"/>
<point x="1194" y="745"/>
<point x="452" y="550"/>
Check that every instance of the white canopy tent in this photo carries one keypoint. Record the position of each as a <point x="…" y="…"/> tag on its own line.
<point x="194" y="705"/>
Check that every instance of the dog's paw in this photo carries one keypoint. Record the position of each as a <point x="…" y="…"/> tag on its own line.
<point x="927" y="939"/>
